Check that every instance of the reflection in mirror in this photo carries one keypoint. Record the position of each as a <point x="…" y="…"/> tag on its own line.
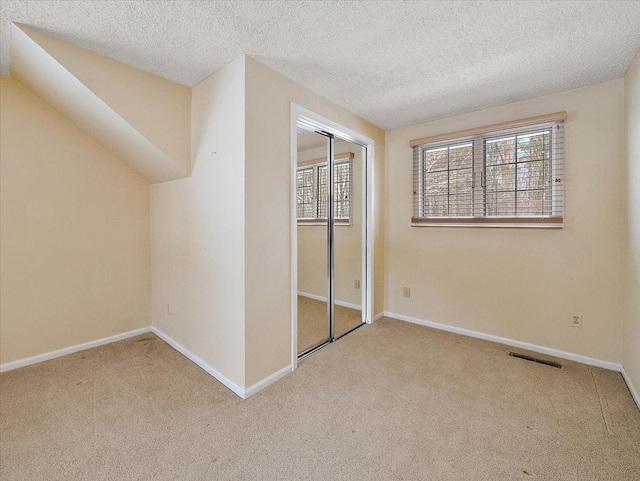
<point x="348" y="272"/>
<point x="313" y="317"/>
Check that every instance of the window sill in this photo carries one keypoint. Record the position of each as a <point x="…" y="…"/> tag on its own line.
<point x="341" y="222"/>
<point x="555" y="222"/>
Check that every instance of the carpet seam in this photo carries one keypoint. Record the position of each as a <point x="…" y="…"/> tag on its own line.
<point x="604" y="419"/>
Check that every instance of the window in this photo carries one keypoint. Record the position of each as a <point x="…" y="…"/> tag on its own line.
<point x="311" y="190"/>
<point x="508" y="175"/>
<point x="305" y="186"/>
<point x="518" y="174"/>
<point x="447" y="178"/>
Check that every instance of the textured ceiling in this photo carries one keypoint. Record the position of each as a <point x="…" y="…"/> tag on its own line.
<point x="393" y="63"/>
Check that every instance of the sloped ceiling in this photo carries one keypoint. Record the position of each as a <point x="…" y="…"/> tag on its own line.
<point x="393" y="63"/>
<point x="117" y="105"/>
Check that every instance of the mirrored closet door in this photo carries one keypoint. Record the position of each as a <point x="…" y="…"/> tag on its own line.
<point x="313" y="288"/>
<point x="330" y="180"/>
<point x="347" y="237"/>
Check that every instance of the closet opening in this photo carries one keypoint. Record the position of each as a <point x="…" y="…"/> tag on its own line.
<point x="331" y="245"/>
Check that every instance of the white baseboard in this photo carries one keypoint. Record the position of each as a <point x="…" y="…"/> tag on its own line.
<point x="632" y="389"/>
<point x="199" y="362"/>
<point x="324" y="299"/>
<point x="378" y="316"/>
<point x="260" y="385"/>
<point x="509" y="342"/>
<point x="243" y="393"/>
<point x="9" y="366"/>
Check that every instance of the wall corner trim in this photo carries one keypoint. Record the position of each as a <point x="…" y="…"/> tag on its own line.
<point x="612" y="366"/>
<point x="260" y="385"/>
<point x="241" y="392"/>
<point x="199" y="362"/>
<point x="9" y="366"/>
<point x="632" y="388"/>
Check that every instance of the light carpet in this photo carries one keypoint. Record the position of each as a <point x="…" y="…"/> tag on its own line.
<point x="389" y="401"/>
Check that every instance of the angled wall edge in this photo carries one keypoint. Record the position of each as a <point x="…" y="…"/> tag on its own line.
<point x="41" y="73"/>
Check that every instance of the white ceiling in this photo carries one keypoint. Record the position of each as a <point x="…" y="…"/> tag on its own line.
<point x="393" y="63"/>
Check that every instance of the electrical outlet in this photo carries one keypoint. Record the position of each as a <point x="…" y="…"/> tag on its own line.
<point x="406" y="292"/>
<point x="356" y="284"/>
<point x="576" y="320"/>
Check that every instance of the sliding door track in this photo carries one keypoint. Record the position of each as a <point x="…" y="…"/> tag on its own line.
<point x="310" y="351"/>
<point x="350" y="331"/>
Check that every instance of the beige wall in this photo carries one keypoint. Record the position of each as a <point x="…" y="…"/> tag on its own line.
<point x="522" y="284"/>
<point x="268" y="211"/>
<point x="78" y="262"/>
<point x="149" y="107"/>
<point x="156" y="107"/>
<point x="631" y="349"/>
<point x="198" y="233"/>
<point x="221" y="238"/>
<point x="74" y="260"/>
<point x="312" y="240"/>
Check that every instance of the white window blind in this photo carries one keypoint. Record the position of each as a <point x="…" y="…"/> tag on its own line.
<point x="509" y="174"/>
<point x="311" y="190"/>
<point x="341" y="190"/>
<point x="306" y="205"/>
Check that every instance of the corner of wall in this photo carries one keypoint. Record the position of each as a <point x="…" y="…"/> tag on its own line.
<point x="75" y="254"/>
<point x="198" y="233"/>
<point x="631" y="311"/>
<point x="269" y="96"/>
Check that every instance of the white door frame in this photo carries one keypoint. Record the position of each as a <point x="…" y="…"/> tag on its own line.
<point x="339" y="131"/>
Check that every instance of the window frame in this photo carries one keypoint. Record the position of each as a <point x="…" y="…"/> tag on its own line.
<point x="316" y="164"/>
<point x="421" y="189"/>
<point x="478" y="137"/>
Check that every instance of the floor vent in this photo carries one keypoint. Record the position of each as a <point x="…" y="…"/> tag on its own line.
<point x="535" y="359"/>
